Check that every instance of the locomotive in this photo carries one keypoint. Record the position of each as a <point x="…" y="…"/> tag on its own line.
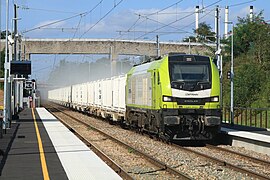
<point x="176" y="97"/>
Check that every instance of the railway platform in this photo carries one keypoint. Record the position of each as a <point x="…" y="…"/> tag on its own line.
<point x="256" y="139"/>
<point x="38" y="146"/>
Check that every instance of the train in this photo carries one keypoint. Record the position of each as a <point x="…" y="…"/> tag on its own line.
<point x="175" y="97"/>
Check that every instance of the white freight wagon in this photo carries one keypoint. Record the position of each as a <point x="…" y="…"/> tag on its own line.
<point x="106" y="89"/>
<point x="118" y="93"/>
<point x="83" y="96"/>
<point x="65" y="95"/>
<point x="104" y="97"/>
<point x="90" y="94"/>
<point x="75" y="96"/>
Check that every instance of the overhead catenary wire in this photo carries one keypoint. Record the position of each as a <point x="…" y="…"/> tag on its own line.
<point x="46" y="10"/>
<point x="55" y="22"/>
<point x="180" y="29"/>
<point x="165" y="33"/>
<point x="170" y="32"/>
<point x="177" y="13"/>
<point x="78" y="25"/>
<point x="199" y="18"/>
<point x="157" y="12"/>
<point x="65" y="19"/>
<point x="134" y="24"/>
<point x="239" y="4"/>
<point x="73" y="37"/>
<point x="177" y="20"/>
<point x="168" y="25"/>
<point x="62" y="28"/>
<point x="115" y="5"/>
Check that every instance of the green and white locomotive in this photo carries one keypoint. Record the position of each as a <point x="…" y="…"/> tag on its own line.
<point x="176" y="97"/>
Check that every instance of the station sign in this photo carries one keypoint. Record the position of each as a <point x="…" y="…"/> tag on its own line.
<point x="28" y="85"/>
<point x="20" y="67"/>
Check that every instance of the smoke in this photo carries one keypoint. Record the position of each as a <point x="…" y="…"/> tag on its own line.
<point x="64" y="71"/>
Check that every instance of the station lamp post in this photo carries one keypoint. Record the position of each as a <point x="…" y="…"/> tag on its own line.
<point x="6" y="93"/>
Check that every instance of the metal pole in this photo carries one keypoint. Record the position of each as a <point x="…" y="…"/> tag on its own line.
<point x="34" y="94"/>
<point x="15" y="32"/>
<point x="189" y="49"/>
<point x="21" y="94"/>
<point x="111" y="60"/>
<point x="251" y="13"/>
<point x="232" y="76"/>
<point x="197" y="18"/>
<point x="5" y="113"/>
<point x="218" y="51"/>
<point x="217" y="21"/>
<point x="9" y="88"/>
<point x="216" y="26"/>
<point x="221" y="82"/>
<point x="0" y="32"/>
<point x="121" y="61"/>
<point x="89" y="71"/>
<point x="16" y="100"/>
<point x="226" y="21"/>
<point x="1" y="122"/>
<point x="158" y="47"/>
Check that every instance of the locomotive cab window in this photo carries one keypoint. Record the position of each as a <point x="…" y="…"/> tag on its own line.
<point x="190" y="73"/>
<point x="187" y="72"/>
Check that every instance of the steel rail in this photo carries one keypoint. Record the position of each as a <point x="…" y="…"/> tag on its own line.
<point x="154" y="161"/>
<point x="118" y="169"/>
<point x="224" y="163"/>
<point x="257" y="160"/>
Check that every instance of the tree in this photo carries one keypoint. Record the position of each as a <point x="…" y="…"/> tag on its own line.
<point x="248" y="34"/>
<point x="204" y="34"/>
<point x="189" y="39"/>
<point x="252" y="63"/>
<point x="248" y="84"/>
<point x="3" y="34"/>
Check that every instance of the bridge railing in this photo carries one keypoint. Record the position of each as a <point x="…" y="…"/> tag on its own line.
<point x="253" y="117"/>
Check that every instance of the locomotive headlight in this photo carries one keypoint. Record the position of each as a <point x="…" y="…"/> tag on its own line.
<point x="167" y="99"/>
<point x="214" y="99"/>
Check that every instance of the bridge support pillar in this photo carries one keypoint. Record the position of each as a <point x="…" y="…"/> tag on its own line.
<point x="113" y="59"/>
<point x="27" y="56"/>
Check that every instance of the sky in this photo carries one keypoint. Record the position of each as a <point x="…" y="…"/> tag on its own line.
<point x="134" y="18"/>
<point x="172" y="20"/>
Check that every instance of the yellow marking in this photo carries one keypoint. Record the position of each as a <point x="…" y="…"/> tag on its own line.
<point x="42" y="155"/>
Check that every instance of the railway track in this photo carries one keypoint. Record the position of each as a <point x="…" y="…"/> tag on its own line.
<point x="95" y="148"/>
<point x="256" y="160"/>
<point x="158" y="165"/>
<point x="228" y="164"/>
<point x="222" y="163"/>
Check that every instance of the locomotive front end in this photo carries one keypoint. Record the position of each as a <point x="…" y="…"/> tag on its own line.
<point x="191" y="101"/>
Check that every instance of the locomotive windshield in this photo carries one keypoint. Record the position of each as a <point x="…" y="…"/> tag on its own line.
<point x="190" y="72"/>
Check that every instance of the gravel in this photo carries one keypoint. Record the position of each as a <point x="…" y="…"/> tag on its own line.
<point x="188" y="163"/>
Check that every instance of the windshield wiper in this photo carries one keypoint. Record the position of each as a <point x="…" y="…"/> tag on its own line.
<point x="203" y="82"/>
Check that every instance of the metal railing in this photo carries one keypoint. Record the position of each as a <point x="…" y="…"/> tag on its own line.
<point x="252" y="117"/>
